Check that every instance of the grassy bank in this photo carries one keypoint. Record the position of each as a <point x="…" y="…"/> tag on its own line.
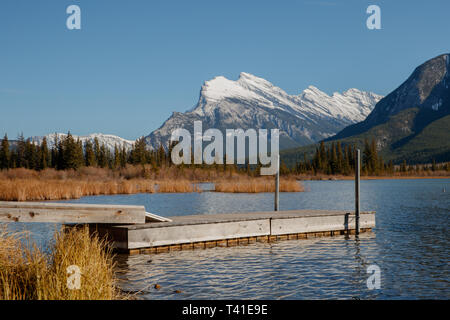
<point x="50" y="184"/>
<point x="29" y="185"/>
<point x="256" y="185"/>
<point x="36" y="190"/>
<point x="423" y="175"/>
<point x="30" y="274"/>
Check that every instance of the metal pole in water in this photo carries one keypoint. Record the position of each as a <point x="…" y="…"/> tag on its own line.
<point x="277" y="185"/>
<point x="357" y="189"/>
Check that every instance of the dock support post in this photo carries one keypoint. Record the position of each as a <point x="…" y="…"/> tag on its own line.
<point x="357" y="189"/>
<point x="277" y="185"/>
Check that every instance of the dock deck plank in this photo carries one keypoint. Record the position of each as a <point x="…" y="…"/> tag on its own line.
<point x="70" y="213"/>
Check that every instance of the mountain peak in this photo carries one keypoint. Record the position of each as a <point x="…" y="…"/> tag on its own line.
<point x="246" y="75"/>
<point x="220" y="88"/>
<point x="253" y="102"/>
<point x="425" y="88"/>
<point x="351" y="91"/>
<point x="424" y="97"/>
<point x="313" y="90"/>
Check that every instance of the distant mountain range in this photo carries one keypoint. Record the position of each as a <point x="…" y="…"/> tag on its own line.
<point x="411" y="123"/>
<point x="110" y="141"/>
<point x="252" y="102"/>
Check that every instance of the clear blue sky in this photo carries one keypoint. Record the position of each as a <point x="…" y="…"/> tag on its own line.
<point x="134" y="62"/>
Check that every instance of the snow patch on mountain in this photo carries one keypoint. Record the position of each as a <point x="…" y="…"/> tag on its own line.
<point x="352" y="105"/>
<point x="253" y="102"/>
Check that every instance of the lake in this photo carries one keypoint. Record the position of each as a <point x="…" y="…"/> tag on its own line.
<point x="409" y="245"/>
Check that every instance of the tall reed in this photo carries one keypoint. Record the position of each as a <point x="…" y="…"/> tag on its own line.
<point x="256" y="185"/>
<point x="36" y="190"/>
<point x="29" y="274"/>
<point x="178" y="186"/>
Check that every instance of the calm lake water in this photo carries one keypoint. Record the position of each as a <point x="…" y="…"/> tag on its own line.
<point x="409" y="245"/>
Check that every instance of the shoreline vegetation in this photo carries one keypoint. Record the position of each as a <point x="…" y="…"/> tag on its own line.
<point x="28" y="273"/>
<point x="70" y="170"/>
<point x="257" y="185"/>
<point x="49" y="184"/>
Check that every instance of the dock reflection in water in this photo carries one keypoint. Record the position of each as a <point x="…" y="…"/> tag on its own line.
<point x="296" y="269"/>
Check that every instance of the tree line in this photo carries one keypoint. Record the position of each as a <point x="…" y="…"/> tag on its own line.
<point x="70" y="153"/>
<point x="339" y="159"/>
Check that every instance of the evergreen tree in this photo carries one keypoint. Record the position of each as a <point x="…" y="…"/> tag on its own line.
<point x="317" y="161"/>
<point x="89" y="154"/>
<point x="44" y="155"/>
<point x="161" y="155"/>
<point x="31" y="155"/>
<point x="346" y="168"/>
<point x="109" y="158"/>
<point x="79" y="155"/>
<point x="374" y="157"/>
<point x="340" y="158"/>
<point x="71" y="156"/>
<point x="20" y="152"/>
<point x="102" y="157"/>
<point x="116" y="163"/>
<point x="97" y="151"/>
<point x="123" y="157"/>
<point x="322" y="157"/>
<point x="333" y="159"/>
<point x="5" y="154"/>
<point x="54" y="152"/>
<point x="139" y="153"/>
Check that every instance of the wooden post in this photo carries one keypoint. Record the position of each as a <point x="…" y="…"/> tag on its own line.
<point x="357" y="189"/>
<point x="277" y="185"/>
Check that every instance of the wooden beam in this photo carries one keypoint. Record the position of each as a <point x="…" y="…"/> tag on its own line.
<point x="70" y="213"/>
<point x="151" y="217"/>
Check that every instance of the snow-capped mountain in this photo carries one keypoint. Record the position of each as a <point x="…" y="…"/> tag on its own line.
<point x="253" y="102"/>
<point x="110" y="141"/>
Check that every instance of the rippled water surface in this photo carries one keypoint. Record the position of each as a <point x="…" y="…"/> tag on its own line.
<point x="409" y="244"/>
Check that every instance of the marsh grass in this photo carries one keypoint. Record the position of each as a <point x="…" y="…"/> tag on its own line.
<point x="179" y="186"/>
<point x="36" y="189"/>
<point x="257" y="185"/>
<point x="49" y="184"/>
<point x="27" y="273"/>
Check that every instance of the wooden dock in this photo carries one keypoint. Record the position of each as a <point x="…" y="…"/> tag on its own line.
<point x="211" y="230"/>
<point x="133" y="230"/>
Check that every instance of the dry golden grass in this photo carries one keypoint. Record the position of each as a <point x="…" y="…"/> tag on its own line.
<point x="441" y="174"/>
<point x="29" y="274"/>
<point x="50" y="184"/>
<point x="178" y="186"/>
<point x="85" y="173"/>
<point x="36" y="190"/>
<point x="174" y="173"/>
<point x="256" y="185"/>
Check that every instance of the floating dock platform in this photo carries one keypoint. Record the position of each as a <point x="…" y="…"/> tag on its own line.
<point x="231" y="229"/>
<point x="132" y="230"/>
